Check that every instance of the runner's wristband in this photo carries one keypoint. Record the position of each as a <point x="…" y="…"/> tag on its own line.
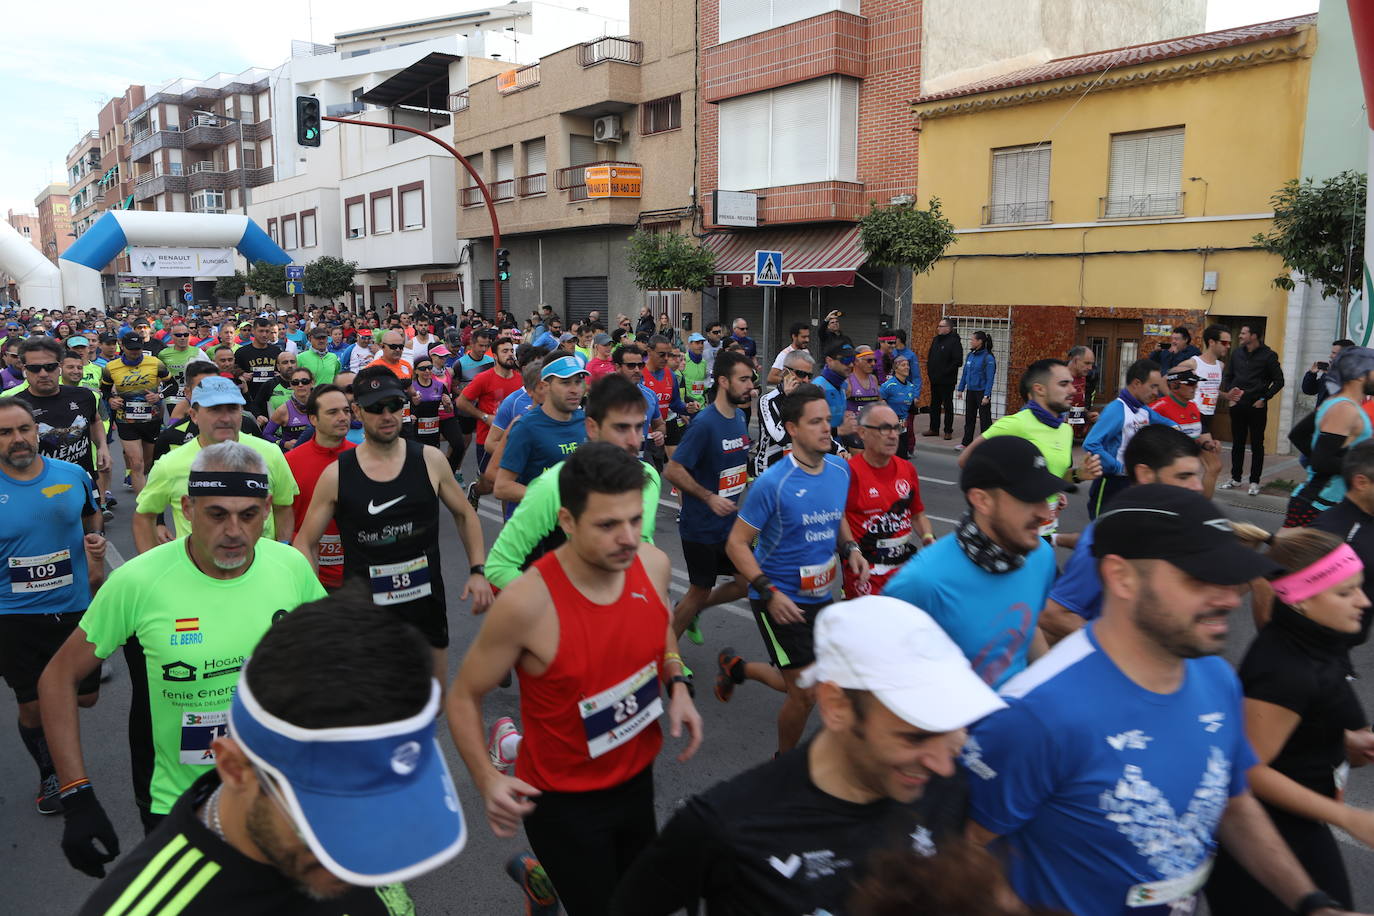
<point x="1317" y="900"/>
<point x="477" y="569"/>
<point x="762" y="584"/>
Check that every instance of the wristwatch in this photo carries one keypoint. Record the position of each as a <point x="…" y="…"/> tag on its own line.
<point x="761" y="584"/>
<point x="682" y="679"/>
<point x="1317" y="900"/>
<point x="847" y="548"/>
<point x="479" y="569"/>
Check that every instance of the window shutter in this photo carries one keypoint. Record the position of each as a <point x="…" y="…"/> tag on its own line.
<point x="308" y="239"/>
<point x="802" y="114"/>
<point x="744" y="17"/>
<point x="355" y="219"/>
<point x="846" y="130"/>
<point x="536" y="160"/>
<point x="744" y="141"/>
<point x="475" y="161"/>
<point x="505" y="163"/>
<point x="581" y="149"/>
<point x="412" y="208"/>
<point x="1146" y="173"/>
<point x="1020" y="184"/>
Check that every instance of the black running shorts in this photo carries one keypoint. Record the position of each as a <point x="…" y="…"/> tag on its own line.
<point x="28" y="642"/>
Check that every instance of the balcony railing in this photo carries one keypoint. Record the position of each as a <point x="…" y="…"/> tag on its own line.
<point x="503" y="189"/>
<point x="202" y="121"/>
<point x="574" y="178"/>
<point x="472" y="196"/>
<point x="1035" y="211"/>
<point x="1140" y="206"/>
<point x="532" y="185"/>
<point x="198" y="167"/>
<point x="458" y="101"/>
<point x="516" y="80"/>
<point x="624" y="50"/>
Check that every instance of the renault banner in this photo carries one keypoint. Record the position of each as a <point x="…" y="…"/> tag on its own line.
<point x="181" y="262"/>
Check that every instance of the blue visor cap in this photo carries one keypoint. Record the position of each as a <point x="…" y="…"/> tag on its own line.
<point x="564" y="367"/>
<point x="375" y="803"/>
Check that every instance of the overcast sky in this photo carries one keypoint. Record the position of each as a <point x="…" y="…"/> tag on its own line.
<point x="60" y="65"/>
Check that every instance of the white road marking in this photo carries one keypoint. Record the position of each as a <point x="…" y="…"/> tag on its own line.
<point x="112" y="556"/>
<point x="950" y="483"/>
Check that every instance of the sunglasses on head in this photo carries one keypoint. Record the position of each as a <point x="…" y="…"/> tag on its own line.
<point x="395" y="405"/>
<point x="42" y="367"/>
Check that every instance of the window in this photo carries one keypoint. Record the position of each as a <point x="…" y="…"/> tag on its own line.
<point x="308" y="237"/>
<point x="207" y="202"/>
<point x="412" y="205"/>
<point x="581" y="149"/>
<point x="1020" y="185"/>
<point x="665" y="300"/>
<point x="471" y="196"/>
<point x="272" y="231"/>
<point x="355" y="225"/>
<point x="792" y="135"/>
<point x="289" y="239"/>
<point x="1146" y="174"/>
<point x="503" y="160"/>
<point x="28" y="232"/>
<point x="381" y="211"/>
<point x="739" y="18"/>
<point x="660" y="115"/>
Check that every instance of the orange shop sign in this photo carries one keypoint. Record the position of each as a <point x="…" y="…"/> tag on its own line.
<point x="614" y="180"/>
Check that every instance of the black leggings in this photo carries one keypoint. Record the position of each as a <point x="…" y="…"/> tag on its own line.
<point x="587" y="840"/>
<point x="448" y="428"/>
<point x="975" y="412"/>
<point x="1231" y="891"/>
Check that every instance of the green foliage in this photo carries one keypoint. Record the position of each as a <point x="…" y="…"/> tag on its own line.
<point x="267" y="280"/>
<point x="329" y="277"/>
<point x="229" y="289"/>
<point x="1319" y="232"/>
<point x="904" y="235"/>
<point x="667" y="260"/>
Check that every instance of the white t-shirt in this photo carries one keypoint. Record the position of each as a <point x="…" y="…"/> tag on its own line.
<point x="1209" y="388"/>
<point x="782" y="356"/>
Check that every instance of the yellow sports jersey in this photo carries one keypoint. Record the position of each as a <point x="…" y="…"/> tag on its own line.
<point x="132" y="383"/>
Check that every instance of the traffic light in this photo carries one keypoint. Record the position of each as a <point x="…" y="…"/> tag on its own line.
<point x="502" y="264"/>
<point x="307" y="120"/>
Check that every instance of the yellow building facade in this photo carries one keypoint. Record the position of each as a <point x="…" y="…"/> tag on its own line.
<point x="1102" y="200"/>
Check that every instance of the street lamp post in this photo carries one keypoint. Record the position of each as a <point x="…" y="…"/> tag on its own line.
<point x="243" y="169"/>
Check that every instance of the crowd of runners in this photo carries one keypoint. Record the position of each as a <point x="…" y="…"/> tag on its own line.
<point x="997" y="729"/>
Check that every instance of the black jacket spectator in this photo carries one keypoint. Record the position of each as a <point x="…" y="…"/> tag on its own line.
<point x="1257" y="373"/>
<point x="944" y="358"/>
<point x="1167" y="358"/>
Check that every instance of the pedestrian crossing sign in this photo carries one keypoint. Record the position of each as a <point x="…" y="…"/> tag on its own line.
<point x="768" y="268"/>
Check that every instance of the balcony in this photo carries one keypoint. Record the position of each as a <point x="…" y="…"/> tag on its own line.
<point x="346" y="108"/>
<point x="518" y="80"/>
<point x="574" y="178"/>
<point x="532" y="185"/>
<point x="1140" y="206"/>
<point x="458" y="101"/>
<point x="146" y="144"/>
<point x="203" y="132"/>
<point x="151" y="184"/>
<point x="1035" y="211"/>
<point x="472" y="196"/>
<point x="502" y="190"/>
<point x="622" y="50"/>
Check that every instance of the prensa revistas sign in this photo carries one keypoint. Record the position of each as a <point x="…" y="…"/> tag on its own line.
<point x="181" y="262"/>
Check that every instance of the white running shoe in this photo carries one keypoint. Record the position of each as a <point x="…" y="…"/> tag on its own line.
<point x="1231" y="484"/>
<point x="1254" y="489"/>
<point x="501" y="729"/>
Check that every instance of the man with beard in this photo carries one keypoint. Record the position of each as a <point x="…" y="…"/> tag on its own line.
<point x="589" y="635"/>
<point x="986" y="582"/>
<point x="68" y="416"/>
<point x="385" y="496"/>
<point x="481" y="397"/>
<point x="258" y="359"/>
<point x="884" y="505"/>
<point x="1115" y="804"/>
<point x="188" y="613"/>
<point x="261" y="833"/>
<point x="1047" y="386"/>
<point x="710" y="469"/>
<point x="55" y="556"/>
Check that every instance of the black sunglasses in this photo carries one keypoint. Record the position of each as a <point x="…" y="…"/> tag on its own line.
<point x="395" y="405"/>
<point x="301" y="382"/>
<point x="174" y="334"/>
<point x="801" y="373"/>
<point x="638" y="365"/>
<point x="394" y="346"/>
<point x="885" y="427"/>
<point x="42" y="367"/>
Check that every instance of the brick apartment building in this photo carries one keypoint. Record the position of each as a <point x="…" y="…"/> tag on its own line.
<point x="83" y="171"/>
<point x="54" y="220"/>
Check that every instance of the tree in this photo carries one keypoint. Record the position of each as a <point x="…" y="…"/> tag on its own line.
<point x="905" y="237"/>
<point x="667" y="260"/>
<point x="231" y="288"/>
<point x="329" y="277"/>
<point x="1319" y="232"/>
<point x="267" y="280"/>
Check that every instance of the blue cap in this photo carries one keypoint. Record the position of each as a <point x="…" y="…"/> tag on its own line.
<point x="214" y="390"/>
<point x="563" y="367"/>
<point x="78" y="341"/>
<point x="695" y="337"/>
<point x="375" y="803"/>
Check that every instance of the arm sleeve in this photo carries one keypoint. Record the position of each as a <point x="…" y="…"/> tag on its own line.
<point x="1103" y="437"/>
<point x="772" y="422"/>
<point x="653" y="487"/>
<point x="1310" y="383"/>
<point x="1328" y="453"/>
<point x="535" y="516"/>
<point x="1013" y="769"/>
<point x="686" y="862"/>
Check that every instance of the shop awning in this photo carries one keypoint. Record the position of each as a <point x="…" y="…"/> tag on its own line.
<point x="821" y="256"/>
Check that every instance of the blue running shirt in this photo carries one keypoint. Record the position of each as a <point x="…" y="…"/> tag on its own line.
<point x="715" y="451"/>
<point x="43" y="570"/>
<point x="798" y="517"/>
<point x="1108" y="794"/>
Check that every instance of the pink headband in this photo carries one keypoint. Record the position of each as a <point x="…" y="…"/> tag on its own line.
<point x="1337" y="566"/>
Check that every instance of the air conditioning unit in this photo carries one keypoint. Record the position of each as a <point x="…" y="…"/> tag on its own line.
<point x="607" y="129"/>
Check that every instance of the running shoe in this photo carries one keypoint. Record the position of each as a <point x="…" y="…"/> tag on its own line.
<point x="106" y="512"/>
<point x="110" y="501"/>
<point x="473" y="497"/>
<point x="540" y="897"/>
<point x="458" y="476"/>
<point x="1231" y="484"/>
<point x="128" y="481"/>
<point x="49" y="800"/>
<point x="729" y="674"/>
<point x="501" y="729"/>
<point x="1254" y="489"/>
<point x="693" y="631"/>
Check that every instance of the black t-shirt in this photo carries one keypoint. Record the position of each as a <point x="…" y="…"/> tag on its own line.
<point x="185" y="429"/>
<point x="1305" y="667"/>
<point x="770" y="841"/>
<point x="64" y="423"/>
<point x="1356" y="527"/>
<point x="219" y="878"/>
<point x="261" y="365"/>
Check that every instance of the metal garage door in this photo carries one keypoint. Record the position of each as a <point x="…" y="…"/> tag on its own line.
<point x="746" y="304"/>
<point x="583" y="295"/>
<point x="487" y="290"/>
<point x="447" y="298"/>
<point x="862" y="307"/>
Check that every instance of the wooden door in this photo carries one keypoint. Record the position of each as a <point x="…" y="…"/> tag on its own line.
<point x="1115" y="343"/>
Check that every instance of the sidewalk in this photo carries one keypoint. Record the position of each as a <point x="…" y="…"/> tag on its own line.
<point x="1272" y="498"/>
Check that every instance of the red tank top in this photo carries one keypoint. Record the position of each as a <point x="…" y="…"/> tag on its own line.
<point x="663" y="387"/>
<point x="590" y="720"/>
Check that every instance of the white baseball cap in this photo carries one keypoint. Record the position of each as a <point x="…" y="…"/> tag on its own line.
<point x="895" y="651"/>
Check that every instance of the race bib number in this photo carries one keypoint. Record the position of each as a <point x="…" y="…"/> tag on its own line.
<point x="699" y="388"/>
<point x="138" y="411"/>
<point x="198" y="732"/>
<point x="264" y="374"/>
<point x="331" y="550"/>
<point x="396" y="583"/>
<point x="40" y="574"/>
<point x="1052" y="525"/>
<point x="428" y="426"/>
<point x="618" y="713"/>
<point x="1077" y="416"/>
<point x="892" y="548"/>
<point x="732" y="481"/>
<point x="1174" y="896"/>
<point x="1207" y="396"/>
<point x="816" y="580"/>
